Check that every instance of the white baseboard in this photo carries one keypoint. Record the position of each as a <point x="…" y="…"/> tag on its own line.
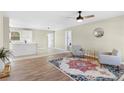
<point x="60" y="49"/>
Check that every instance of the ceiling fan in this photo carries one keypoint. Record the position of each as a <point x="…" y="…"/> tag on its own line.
<point x="80" y="18"/>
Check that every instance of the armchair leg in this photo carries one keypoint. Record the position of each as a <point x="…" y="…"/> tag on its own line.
<point x="101" y="65"/>
<point x="118" y="69"/>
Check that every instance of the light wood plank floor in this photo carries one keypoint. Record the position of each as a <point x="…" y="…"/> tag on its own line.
<point x="37" y="69"/>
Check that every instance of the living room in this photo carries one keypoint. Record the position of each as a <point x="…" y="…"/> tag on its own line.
<point x="61" y="46"/>
<point x="84" y="35"/>
<point x="56" y="37"/>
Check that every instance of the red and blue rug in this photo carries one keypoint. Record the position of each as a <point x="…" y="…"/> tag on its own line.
<point x="87" y="70"/>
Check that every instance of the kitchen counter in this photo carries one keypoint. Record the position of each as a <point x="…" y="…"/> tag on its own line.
<point x="22" y="49"/>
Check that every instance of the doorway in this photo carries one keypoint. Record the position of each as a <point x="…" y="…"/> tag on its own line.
<point x="51" y="40"/>
<point x="68" y="39"/>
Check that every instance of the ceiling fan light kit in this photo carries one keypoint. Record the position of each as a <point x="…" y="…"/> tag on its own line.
<point x="81" y="18"/>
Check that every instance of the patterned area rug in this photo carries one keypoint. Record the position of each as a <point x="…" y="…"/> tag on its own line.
<point x="88" y="70"/>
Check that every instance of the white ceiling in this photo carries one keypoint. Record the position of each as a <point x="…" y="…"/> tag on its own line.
<point x="56" y="20"/>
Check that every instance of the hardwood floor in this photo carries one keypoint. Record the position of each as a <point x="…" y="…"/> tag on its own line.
<point x="36" y="69"/>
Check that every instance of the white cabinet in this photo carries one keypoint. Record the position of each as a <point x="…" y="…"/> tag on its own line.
<point x="20" y="49"/>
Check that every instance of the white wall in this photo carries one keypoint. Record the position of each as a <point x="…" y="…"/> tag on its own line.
<point x="1" y="31"/>
<point x="24" y="35"/>
<point x="34" y="36"/>
<point x="83" y="35"/>
<point x="4" y="32"/>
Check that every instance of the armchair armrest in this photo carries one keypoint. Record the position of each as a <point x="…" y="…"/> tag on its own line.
<point x="110" y="59"/>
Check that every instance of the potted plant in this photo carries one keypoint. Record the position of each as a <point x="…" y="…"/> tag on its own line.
<point x="4" y="62"/>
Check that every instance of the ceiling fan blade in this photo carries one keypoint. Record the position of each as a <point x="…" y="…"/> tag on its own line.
<point x="89" y="16"/>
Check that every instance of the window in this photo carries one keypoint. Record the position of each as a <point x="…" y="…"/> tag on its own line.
<point x="15" y="36"/>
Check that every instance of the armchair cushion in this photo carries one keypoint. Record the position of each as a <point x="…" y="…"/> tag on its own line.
<point x="114" y="52"/>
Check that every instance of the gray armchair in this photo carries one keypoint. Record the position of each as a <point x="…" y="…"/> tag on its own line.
<point x="77" y="51"/>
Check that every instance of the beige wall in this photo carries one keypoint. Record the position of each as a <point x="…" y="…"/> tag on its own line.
<point x="4" y="32"/>
<point x="41" y="38"/>
<point x="83" y="35"/>
<point x="60" y="39"/>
